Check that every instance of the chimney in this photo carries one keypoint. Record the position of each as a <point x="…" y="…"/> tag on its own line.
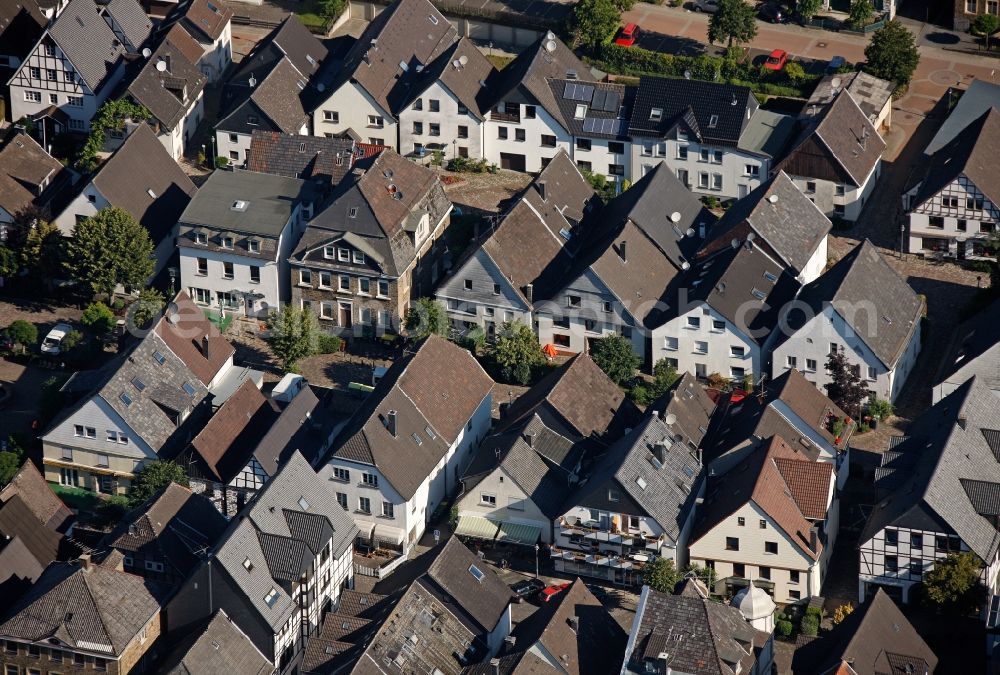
<point x="85" y="561"/>
<point x="529" y="292"/>
<point x="204" y="346"/>
<point x="508" y="644"/>
<point x="530" y="440"/>
<point x="540" y="186"/>
<point x="813" y="538"/>
<point x="963" y="422"/>
<point x="495" y="665"/>
<point x="390" y="422"/>
<point x="574" y="624"/>
<point x="621" y="251"/>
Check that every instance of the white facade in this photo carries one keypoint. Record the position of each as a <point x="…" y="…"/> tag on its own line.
<point x="499" y="498"/>
<point x="394" y="519"/>
<point x="603" y="156"/>
<point x="954" y="223"/>
<point x="817" y="263"/>
<point x="724" y="172"/>
<point x="702" y="342"/>
<point x="217" y="55"/>
<point x="489" y="302"/>
<point x="521" y="136"/>
<point x="175" y="140"/>
<point x="351" y="107"/>
<point x="795" y="574"/>
<point x="437" y="120"/>
<point x="839" y="200"/>
<point x="809" y="347"/>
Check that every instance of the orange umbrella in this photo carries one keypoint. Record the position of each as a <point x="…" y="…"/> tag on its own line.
<point x="550" y="350"/>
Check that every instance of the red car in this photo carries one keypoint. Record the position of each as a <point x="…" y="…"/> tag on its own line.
<point x="546" y="593"/>
<point x="777" y="60"/>
<point x="628" y="35"/>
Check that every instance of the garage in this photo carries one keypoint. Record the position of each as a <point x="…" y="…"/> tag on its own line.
<point x="513" y="162"/>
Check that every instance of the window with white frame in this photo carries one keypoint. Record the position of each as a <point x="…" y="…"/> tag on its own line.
<point x="326" y="310"/>
<point x="700" y="347"/>
<point x="305" y="277"/>
<point x="325" y="279"/>
<point x="344" y="284"/>
<point x="737" y="352"/>
<point x="670" y="344"/>
<point x="487" y="499"/>
<point x="387" y="510"/>
<point x="376" y="121"/>
<point x="33" y="96"/>
<point x="383" y="288"/>
<point x="369" y="479"/>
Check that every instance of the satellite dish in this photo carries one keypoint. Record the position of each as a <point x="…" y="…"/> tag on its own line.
<point x="735" y="243"/>
<point x="685" y="265"/>
<point x="320" y="87"/>
<point x="670" y="419"/>
<point x="550" y="46"/>
<point x="687" y="74"/>
<point x="689" y="232"/>
<point x="675" y="217"/>
<point x="252" y="81"/>
<point x="751" y="236"/>
<point x="550" y="36"/>
<point x="463" y="59"/>
<point x="773" y="199"/>
<point x="162" y="66"/>
<point x="835" y="83"/>
<point x="146" y="52"/>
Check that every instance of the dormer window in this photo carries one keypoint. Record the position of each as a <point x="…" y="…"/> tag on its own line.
<point x="253" y="120"/>
<point x="343" y="255"/>
<point x="655" y="114"/>
<point x="227" y="242"/>
<point x="713" y="121"/>
<point x="358" y="257"/>
<point x="200" y="239"/>
<point x="328" y="252"/>
<point x="352" y="212"/>
<point x="253" y="245"/>
<point x="682" y="135"/>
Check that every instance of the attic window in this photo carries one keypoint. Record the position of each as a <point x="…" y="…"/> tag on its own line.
<point x="655" y="114"/>
<point x="159" y="358"/>
<point x="302" y="147"/>
<point x="352" y="212"/>
<point x="476" y="573"/>
<point x="433" y="19"/>
<point x="689" y="472"/>
<point x="641" y="482"/>
<point x="430" y="432"/>
<point x="138" y="384"/>
<point x="272" y="597"/>
<point x="713" y="121"/>
<point x="188" y="389"/>
<point x="303" y="504"/>
<point x="417" y="439"/>
<point x="310" y="59"/>
<point x="253" y="120"/>
<point x="757" y="293"/>
<point x="125" y="398"/>
<point x="247" y="565"/>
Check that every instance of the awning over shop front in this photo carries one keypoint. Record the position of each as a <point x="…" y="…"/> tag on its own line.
<point x="476" y="526"/>
<point x="517" y="533"/>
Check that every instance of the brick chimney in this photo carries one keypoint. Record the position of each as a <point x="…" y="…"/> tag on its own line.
<point x="390" y="422"/>
<point x="204" y="347"/>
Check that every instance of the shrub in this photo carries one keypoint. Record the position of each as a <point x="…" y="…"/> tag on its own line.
<point x="221" y="162"/>
<point x="795" y="71"/>
<point x="23" y="333"/>
<point x="879" y="408"/>
<point x="466" y="165"/>
<point x="783" y="628"/>
<point x="814" y="611"/>
<point x="113" y="508"/>
<point x="329" y="344"/>
<point x="98" y="318"/>
<point x="71" y="340"/>
<point x="842" y="613"/>
<point x="810" y="625"/>
<point x="979" y="266"/>
<point x="639" y="393"/>
<point x="475" y="339"/>
<point x="717" y="381"/>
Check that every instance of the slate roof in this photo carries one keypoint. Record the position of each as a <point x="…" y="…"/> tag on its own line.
<point x="140" y="166"/>
<point x="174" y="526"/>
<point x="875" y="639"/>
<point x="412" y="32"/>
<point x="974" y="349"/>
<point x="859" y="280"/>
<point x="435" y="390"/>
<point x="954" y="448"/>
<point x="974" y="153"/>
<point x="732" y="281"/>
<point x="242" y="419"/>
<point x="869" y="92"/>
<point x="84" y="36"/>
<point x="86" y="606"/>
<point x="659" y="473"/>
<point x="17" y="521"/>
<point x="531" y="70"/>
<point x="693" y="104"/>
<point x="169" y="94"/>
<point x="790" y="227"/>
<point x="217" y="646"/>
<point x="29" y="484"/>
<point x="270" y="202"/>
<point x="21" y="25"/>
<point x="608" y="107"/>
<point x="485" y="600"/>
<point x="786" y="492"/>
<point x="24" y="168"/>
<point x="206" y="17"/>
<point x="702" y="636"/>
<point x="281" y="537"/>
<point x="296" y="156"/>
<point x="977" y="99"/>
<point x="462" y="79"/>
<point x="839" y="144"/>
<point x="19" y="569"/>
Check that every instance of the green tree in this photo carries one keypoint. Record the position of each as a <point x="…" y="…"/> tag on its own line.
<point x="795" y="72"/>
<point x="705" y="575"/>
<point x="146" y="308"/>
<point x="593" y="22"/>
<point x="70" y="341"/>
<point x="984" y="26"/>
<point x="426" y="317"/>
<point x="331" y="9"/>
<point x="846" y="388"/>
<point x="605" y="188"/>
<point x="664" y="376"/>
<point x="733" y="22"/>
<point x="953" y="580"/>
<point x="23" y="333"/>
<point x="108" y="249"/>
<point x="809" y="8"/>
<point x="98" y="319"/>
<point x="153" y="476"/>
<point x="293" y="335"/>
<point x="892" y="53"/>
<point x="9" y="264"/>
<point x="44" y="251"/>
<point x="661" y="575"/>
<point x="861" y="13"/>
<point x="517" y="351"/>
<point x="112" y="508"/>
<point x="11" y="460"/>
<point x="615" y="356"/>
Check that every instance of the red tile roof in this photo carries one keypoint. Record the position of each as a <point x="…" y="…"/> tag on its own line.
<point x="187" y="332"/>
<point x="242" y="419"/>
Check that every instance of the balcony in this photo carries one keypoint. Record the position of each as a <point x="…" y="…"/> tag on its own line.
<point x="510" y="117"/>
<point x="594" y="535"/>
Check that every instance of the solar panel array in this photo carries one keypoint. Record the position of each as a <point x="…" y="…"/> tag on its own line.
<point x="578" y="92"/>
<point x="606" y="100"/>
<point x="592" y="125"/>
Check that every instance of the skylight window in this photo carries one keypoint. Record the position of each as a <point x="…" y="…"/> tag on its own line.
<point x="247" y="565"/>
<point x="713" y="121"/>
<point x="770" y="277"/>
<point x="476" y="573"/>
<point x="352" y="212"/>
<point x="272" y="597"/>
<point x="581" y="111"/>
<point x="757" y="293"/>
<point x="125" y="398"/>
<point x="188" y="389"/>
<point x="417" y="439"/>
<point x="641" y="482"/>
<point x="655" y="114"/>
<point x="303" y="504"/>
<point x="159" y="358"/>
<point x="430" y="432"/>
<point x="138" y="384"/>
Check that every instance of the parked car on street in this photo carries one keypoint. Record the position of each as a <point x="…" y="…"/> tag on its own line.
<point x="777" y="60"/>
<point x="526" y="588"/>
<point x="628" y="35"/>
<point x="773" y="12"/>
<point x="52" y="344"/>
<point x="710" y="6"/>
<point x="836" y="63"/>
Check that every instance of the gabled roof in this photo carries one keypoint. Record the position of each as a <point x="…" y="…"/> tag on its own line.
<point x="242" y="419"/>
<point x="700" y="635"/>
<point x="977" y="99"/>
<point x="691" y="409"/>
<point x="169" y="94"/>
<point x="462" y="68"/>
<point x="974" y="350"/>
<point x="606" y="112"/>
<point x="434" y="392"/>
<point x="781" y="481"/>
<point x="296" y="156"/>
<point x="659" y="473"/>
<point x="785" y="221"/>
<point x="840" y="144"/>
<point x="289" y="522"/>
<point x="189" y="334"/>
<point x="974" y="153"/>
<point x="17" y="521"/>
<point x="530" y="72"/>
<point x="29" y="484"/>
<point x="19" y="569"/>
<point x="24" y="168"/>
<point x="178" y="36"/>
<point x="270" y="202"/>
<point x="217" y="646"/>
<point x="174" y="526"/>
<point x="860" y="280"/>
<point x="593" y="646"/>
<point x="409" y="32"/>
<point x="142" y="178"/>
<point x="21" y="25"/>
<point x="84" y="35"/>
<point x="86" y="606"/>
<point x="711" y="112"/>
<point x="486" y="599"/>
<point x="206" y="17"/>
<point x="874" y="639"/>
<point x="953" y="472"/>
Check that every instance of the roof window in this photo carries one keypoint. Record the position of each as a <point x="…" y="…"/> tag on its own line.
<point x="272" y="597"/>
<point x="476" y="573"/>
<point x="125" y="398"/>
<point x="655" y="114"/>
<point x="641" y="482"/>
<point x="303" y="504"/>
<point x="188" y="389"/>
<point x="159" y="358"/>
<point x="240" y="205"/>
<point x="713" y="121"/>
<point x="247" y="565"/>
<point x="138" y="383"/>
<point x="433" y="19"/>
